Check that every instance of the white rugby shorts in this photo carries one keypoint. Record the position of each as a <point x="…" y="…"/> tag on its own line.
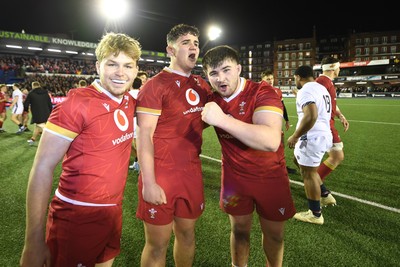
<point x="311" y="151"/>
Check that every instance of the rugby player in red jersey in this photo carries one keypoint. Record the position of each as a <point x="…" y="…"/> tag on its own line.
<point x="91" y="132"/>
<point x="247" y="117"/>
<point x="171" y="194"/>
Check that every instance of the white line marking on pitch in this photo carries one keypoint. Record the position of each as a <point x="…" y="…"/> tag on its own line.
<point x="335" y="193"/>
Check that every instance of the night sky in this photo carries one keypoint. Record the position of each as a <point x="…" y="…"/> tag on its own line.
<point x="150" y="20"/>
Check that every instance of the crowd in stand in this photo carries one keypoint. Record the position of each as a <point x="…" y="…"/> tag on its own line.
<point x="57" y="75"/>
<point x="20" y="65"/>
<point x="367" y="89"/>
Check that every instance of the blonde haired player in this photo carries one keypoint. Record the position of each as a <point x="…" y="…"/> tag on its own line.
<point x="91" y="132"/>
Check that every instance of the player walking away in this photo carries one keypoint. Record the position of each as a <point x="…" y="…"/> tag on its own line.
<point x="311" y="139"/>
<point x="38" y="101"/>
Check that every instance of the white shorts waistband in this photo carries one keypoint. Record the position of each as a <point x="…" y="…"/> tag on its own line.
<point x="80" y="203"/>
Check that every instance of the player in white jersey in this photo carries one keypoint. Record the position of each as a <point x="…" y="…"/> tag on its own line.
<point x="311" y="139"/>
<point x="17" y="108"/>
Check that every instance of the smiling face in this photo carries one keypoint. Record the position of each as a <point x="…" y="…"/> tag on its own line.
<point x="117" y="73"/>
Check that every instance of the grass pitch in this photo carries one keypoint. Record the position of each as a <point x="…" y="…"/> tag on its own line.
<point x="362" y="230"/>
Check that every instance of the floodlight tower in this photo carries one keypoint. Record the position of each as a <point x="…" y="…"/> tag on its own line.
<point x="213" y="33"/>
<point x="114" y="11"/>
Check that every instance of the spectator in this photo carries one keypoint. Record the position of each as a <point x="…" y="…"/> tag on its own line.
<point x="39" y="103"/>
<point x="82" y="84"/>
<point x="143" y="76"/>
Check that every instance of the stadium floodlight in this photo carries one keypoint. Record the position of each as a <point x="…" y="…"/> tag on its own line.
<point x="214" y="32"/>
<point x="114" y="9"/>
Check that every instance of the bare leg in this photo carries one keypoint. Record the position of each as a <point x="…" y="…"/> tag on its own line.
<point x="16" y="118"/>
<point x="155" y="249"/>
<point x="36" y="131"/>
<point x="273" y="241"/>
<point x="184" y="245"/>
<point x="312" y="182"/>
<point x="240" y="239"/>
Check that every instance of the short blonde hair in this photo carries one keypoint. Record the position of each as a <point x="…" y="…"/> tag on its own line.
<point x="114" y="43"/>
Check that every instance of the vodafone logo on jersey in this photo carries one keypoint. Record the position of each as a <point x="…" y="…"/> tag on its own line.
<point x="192" y="97"/>
<point x="121" y="120"/>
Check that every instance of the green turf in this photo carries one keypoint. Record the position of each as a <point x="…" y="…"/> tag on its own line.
<point x="362" y="230"/>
